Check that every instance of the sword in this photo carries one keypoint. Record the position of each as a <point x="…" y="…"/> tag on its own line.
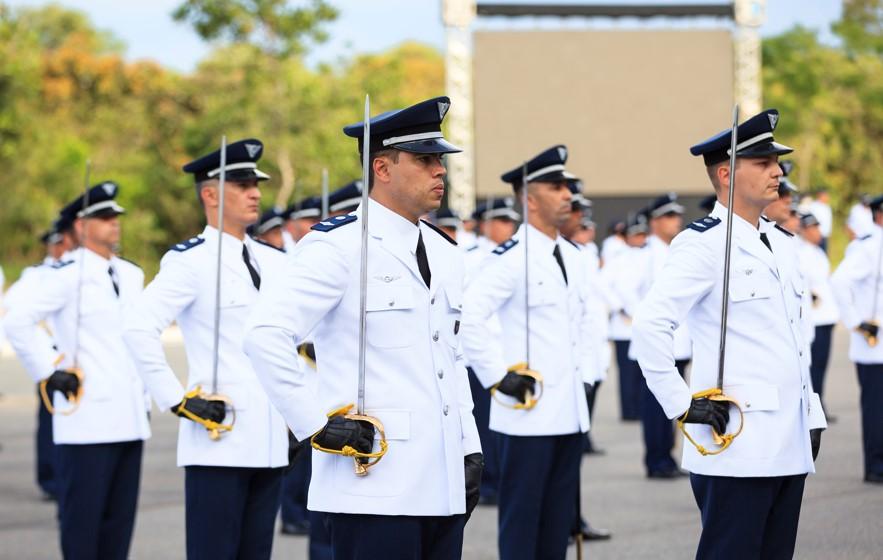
<point x="324" y="193"/>
<point x="523" y="368"/>
<point x="215" y="429"/>
<point x="75" y="369"/>
<point x="717" y="394"/>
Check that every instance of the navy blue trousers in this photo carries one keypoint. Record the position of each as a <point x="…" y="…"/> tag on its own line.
<point x="820" y="350"/>
<point x="539" y="477"/>
<point x="630" y="380"/>
<point x="98" y="498"/>
<point x="481" y="410"/>
<point x="231" y="512"/>
<point x="588" y="444"/>
<point x="295" y="484"/>
<point x="658" y="430"/>
<point x="748" y="517"/>
<point x="870" y="378"/>
<point x="46" y="469"/>
<point x="320" y="537"/>
<point x="395" y="537"/>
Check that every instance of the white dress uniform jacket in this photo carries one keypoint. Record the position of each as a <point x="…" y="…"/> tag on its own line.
<point x="816" y="271"/>
<point x="767" y="366"/>
<point x="415" y="384"/>
<point x="613" y="273"/>
<point x="184" y="291"/>
<point x="113" y="406"/>
<point x="645" y="266"/>
<point x="854" y="283"/>
<point x="561" y="333"/>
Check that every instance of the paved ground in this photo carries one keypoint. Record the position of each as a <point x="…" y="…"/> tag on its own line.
<point x="842" y="517"/>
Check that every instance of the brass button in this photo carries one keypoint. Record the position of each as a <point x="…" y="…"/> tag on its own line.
<point x="440" y="374"/>
<point x="445" y="410"/>
<point x="435" y="336"/>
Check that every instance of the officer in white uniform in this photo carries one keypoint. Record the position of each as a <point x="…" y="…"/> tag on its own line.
<point x="614" y="243"/>
<point x="540" y="448"/>
<point x="412" y="503"/>
<point x="823" y="310"/>
<point x="57" y="244"/>
<point x="99" y="445"/>
<point x="665" y="218"/>
<point x="345" y="199"/>
<point x="299" y="218"/>
<point x="268" y="228"/>
<point x="496" y="221"/>
<point x="858" y="287"/>
<point x="750" y="494"/>
<point x="232" y="483"/>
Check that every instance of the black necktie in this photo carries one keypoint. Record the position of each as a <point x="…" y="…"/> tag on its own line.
<point x="255" y="277"/>
<point x="557" y="253"/>
<point x="422" y="261"/>
<point x="766" y="242"/>
<point x="113" y="280"/>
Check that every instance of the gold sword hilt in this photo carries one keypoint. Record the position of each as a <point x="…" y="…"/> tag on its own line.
<point x="723" y="441"/>
<point x="530" y="399"/>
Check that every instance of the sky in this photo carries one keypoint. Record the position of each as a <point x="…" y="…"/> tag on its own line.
<point x="148" y="31"/>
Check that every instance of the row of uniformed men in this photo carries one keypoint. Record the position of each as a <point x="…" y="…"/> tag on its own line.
<point x="105" y="351"/>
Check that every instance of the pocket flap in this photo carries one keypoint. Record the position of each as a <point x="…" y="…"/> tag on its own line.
<point x="385" y="297"/>
<point x="455" y="298"/>
<point x="746" y="290"/>
<point x="396" y="423"/>
<point x="755" y="397"/>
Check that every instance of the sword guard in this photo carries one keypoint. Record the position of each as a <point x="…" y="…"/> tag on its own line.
<point x="870" y="338"/>
<point x="723" y="441"/>
<point x="363" y="461"/>
<point x="215" y="429"/>
<point x="74" y="400"/>
<point x="530" y="400"/>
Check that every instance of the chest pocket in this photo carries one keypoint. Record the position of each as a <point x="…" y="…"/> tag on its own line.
<point x="749" y="285"/>
<point x="540" y="293"/>
<point x="451" y="321"/>
<point x="235" y="292"/>
<point x="391" y="318"/>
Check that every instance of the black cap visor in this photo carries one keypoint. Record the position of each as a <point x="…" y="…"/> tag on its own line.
<point x="764" y="149"/>
<point x="428" y="146"/>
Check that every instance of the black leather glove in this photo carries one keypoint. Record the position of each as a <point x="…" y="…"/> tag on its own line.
<point x="706" y="411"/>
<point x="867" y="329"/>
<point x="516" y="385"/>
<point x="65" y="382"/>
<point x="473" y="464"/>
<point x="340" y="432"/>
<point x="590" y="391"/>
<point x="207" y="409"/>
<point x="815" y="439"/>
<point x="297" y="450"/>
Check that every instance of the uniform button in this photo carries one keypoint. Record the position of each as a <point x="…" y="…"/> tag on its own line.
<point x="752" y="294"/>
<point x="392" y="302"/>
<point x="432" y="301"/>
<point x="445" y="410"/>
<point x="801" y="352"/>
<point x="440" y="374"/>
<point x="435" y="336"/>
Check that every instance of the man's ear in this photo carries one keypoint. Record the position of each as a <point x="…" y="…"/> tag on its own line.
<point x="380" y="166"/>
<point x="723" y="176"/>
<point x="209" y="196"/>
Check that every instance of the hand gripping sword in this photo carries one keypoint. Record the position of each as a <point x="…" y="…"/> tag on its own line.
<point x="215" y="429"/>
<point x="723" y="441"/>
<point x="363" y="461"/>
<point x="76" y="370"/>
<point x="523" y="368"/>
<point x="870" y="338"/>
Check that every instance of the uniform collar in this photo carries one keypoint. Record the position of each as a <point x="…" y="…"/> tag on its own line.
<point x="748" y="236"/>
<point x="396" y="234"/>
<point x="539" y="240"/>
<point x="231" y="251"/>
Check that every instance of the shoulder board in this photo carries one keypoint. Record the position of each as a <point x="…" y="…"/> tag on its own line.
<point x="704" y="224"/>
<point x="473" y="248"/>
<point x="128" y="261"/>
<point x="785" y="231"/>
<point x="440" y="232"/>
<point x="335" y="222"/>
<point x="578" y="248"/>
<point x="505" y="246"/>
<point x="188" y="244"/>
<point x="61" y="264"/>
<point x="265" y="244"/>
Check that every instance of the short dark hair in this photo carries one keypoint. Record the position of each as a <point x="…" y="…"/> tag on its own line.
<point x="391" y="153"/>
<point x="712" y="174"/>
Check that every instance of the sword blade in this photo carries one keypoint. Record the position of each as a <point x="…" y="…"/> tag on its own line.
<point x="363" y="264"/>
<point x="725" y="300"/>
<point x="82" y="243"/>
<point x="526" y="265"/>
<point x="217" y="326"/>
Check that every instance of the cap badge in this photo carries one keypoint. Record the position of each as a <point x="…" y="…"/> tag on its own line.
<point x="109" y="188"/>
<point x="443" y="109"/>
<point x="774" y="118"/>
<point x="253" y="149"/>
<point x="562" y="153"/>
